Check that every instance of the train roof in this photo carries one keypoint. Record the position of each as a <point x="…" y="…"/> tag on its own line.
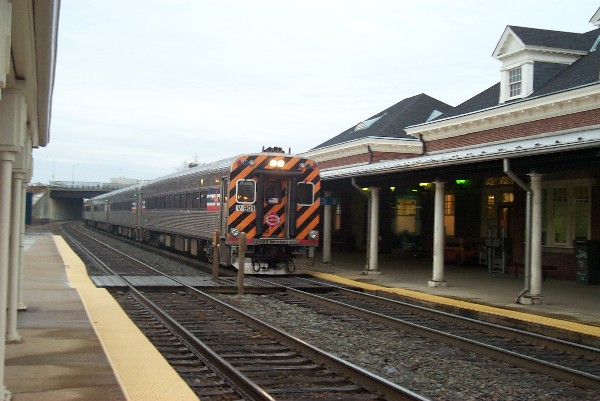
<point x="219" y="166"/>
<point x="204" y="168"/>
<point x="128" y="189"/>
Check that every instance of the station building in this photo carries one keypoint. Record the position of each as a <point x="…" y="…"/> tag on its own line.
<point x="508" y="178"/>
<point x="28" y="37"/>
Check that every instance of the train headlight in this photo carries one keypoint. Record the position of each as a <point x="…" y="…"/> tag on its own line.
<point x="276" y="163"/>
<point x="313" y="234"/>
<point x="235" y="232"/>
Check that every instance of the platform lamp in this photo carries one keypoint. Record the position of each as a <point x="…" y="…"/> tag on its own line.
<point x="462" y="184"/>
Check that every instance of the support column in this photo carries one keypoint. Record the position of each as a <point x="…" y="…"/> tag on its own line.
<point x="438" y="237"/>
<point x="21" y="306"/>
<point x="14" y="257"/>
<point x="6" y="161"/>
<point x="327" y="230"/>
<point x="373" y="249"/>
<point x="534" y="296"/>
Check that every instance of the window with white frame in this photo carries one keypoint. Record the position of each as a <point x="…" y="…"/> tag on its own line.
<point x="515" y="82"/>
<point x="566" y="213"/>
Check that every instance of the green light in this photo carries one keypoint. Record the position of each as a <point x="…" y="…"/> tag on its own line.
<point x="461" y="182"/>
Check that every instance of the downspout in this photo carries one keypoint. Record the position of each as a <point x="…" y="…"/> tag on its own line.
<point x="355" y="185"/>
<point x="527" y="261"/>
<point x="370" y="154"/>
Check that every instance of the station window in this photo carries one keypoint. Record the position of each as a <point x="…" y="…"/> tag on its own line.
<point x="406" y="215"/>
<point x="514" y="81"/>
<point x="245" y="191"/>
<point x="449" y="214"/>
<point x="566" y="214"/>
<point x="305" y="193"/>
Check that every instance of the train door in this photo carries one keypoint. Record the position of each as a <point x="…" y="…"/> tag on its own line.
<point x="273" y="193"/>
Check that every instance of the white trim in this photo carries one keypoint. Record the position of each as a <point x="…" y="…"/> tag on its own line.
<point x="595" y="20"/>
<point x="361" y="147"/>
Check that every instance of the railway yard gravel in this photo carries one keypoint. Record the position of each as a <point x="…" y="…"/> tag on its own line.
<point x="435" y="370"/>
<point x="432" y="369"/>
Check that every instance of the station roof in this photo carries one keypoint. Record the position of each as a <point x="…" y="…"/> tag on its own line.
<point x="498" y="151"/>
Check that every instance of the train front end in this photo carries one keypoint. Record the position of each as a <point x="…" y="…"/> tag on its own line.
<point x="274" y="199"/>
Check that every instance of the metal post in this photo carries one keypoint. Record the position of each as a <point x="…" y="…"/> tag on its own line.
<point x="215" y="257"/>
<point x="241" y="263"/>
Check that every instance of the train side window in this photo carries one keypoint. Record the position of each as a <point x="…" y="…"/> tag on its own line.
<point x="182" y="201"/>
<point x="245" y="191"/>
<point x="196" y="201"/>
<point x="177" y="201"/>
<point x="171" y="201"/>
<point x="188" y="201"/>
<point x="305" y="193"/>
<point x="203" y="200"/>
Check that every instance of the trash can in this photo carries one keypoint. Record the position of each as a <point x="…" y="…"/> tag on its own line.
<point x="587" y="261"/>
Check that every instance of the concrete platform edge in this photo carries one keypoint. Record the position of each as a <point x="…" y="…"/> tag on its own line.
<point x="129" y="352"/>
<point x="575" y="327"/>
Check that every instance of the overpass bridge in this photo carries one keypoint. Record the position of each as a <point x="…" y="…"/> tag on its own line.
<point x="63" y="200"/>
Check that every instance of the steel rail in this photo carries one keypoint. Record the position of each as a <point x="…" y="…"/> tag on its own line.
<point x="243" y="384"/>
<point x="368" y="380"/>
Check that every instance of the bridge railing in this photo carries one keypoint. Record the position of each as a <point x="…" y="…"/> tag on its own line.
<point x="79" y="185"/>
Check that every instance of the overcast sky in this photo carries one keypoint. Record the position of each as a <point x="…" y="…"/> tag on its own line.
<point x="144" y="86"/>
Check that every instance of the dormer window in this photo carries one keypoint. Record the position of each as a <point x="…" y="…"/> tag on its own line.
<point x="514" y="81"/>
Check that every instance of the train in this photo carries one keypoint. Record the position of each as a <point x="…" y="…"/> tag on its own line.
<point x="271" y="196"/>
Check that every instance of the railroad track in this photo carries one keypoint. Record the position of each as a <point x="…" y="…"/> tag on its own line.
<point x="554" y="357"/>
<point x="225" y="354"/>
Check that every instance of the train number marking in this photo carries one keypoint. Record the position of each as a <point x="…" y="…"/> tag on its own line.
<point x="245" y="208"/>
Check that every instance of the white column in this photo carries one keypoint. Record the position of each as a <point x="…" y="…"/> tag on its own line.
<point x="14" y="257"/>
<point x="21" y="302"/>
<point x="327" y="231"/>
<point x="535" y="286"/>
<point x="438" y="237"/>
<point x="6" y="161"/>
<point x="373" y="250"/>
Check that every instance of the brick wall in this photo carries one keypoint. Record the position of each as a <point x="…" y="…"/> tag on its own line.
<point x="364" y="158"/>
<point x="553" y="124"/>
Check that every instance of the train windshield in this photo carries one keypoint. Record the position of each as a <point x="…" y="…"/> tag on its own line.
<point x="305" y="193"/>
<point x="245" y="191"/>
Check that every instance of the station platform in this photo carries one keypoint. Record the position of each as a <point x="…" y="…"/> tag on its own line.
<point x="568" y="305"/>
<point x="77" y="344"/>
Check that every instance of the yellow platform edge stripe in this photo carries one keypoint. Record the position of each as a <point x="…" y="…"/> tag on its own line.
<point x="142" y="372"/>
<point x="526" y="317"/>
